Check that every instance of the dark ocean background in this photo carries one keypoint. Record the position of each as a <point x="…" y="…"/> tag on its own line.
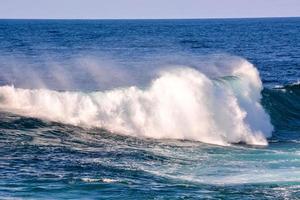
<point x="44" y="159"/>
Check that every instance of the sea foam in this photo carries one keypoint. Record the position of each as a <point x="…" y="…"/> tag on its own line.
<point x="182" y="103"/>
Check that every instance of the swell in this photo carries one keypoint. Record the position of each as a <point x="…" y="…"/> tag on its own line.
<point x="182" y="103"/>
<point x="283" y="105"/>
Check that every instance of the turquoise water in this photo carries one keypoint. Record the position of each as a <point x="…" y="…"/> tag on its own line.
<point x="67" y="142"/>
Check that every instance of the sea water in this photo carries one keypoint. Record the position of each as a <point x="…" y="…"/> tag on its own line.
<point x="150" y="109"/>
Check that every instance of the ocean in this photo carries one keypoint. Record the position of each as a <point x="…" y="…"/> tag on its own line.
<point x="150" y="109"/>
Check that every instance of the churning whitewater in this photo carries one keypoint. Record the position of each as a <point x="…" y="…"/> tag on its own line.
<point x="221" y="108"/>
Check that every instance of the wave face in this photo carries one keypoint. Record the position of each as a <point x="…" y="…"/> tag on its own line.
<point x="182" y="103"/>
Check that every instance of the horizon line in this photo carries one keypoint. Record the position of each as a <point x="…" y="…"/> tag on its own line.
<point x="207" y="18"/>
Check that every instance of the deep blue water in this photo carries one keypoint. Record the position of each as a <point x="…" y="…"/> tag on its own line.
<point x="44" y="159"/>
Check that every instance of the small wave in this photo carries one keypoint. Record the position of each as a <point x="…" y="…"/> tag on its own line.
<point x="182" y="103"/>
<point x="295" y="85"/>
<point x="104" y="180"/>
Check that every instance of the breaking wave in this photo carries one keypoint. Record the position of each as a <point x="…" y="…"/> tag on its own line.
<point x="181" y="103"/>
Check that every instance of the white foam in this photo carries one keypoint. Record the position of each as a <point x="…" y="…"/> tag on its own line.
<point x="104" y="180"/>
<point x="182" y="103"/>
